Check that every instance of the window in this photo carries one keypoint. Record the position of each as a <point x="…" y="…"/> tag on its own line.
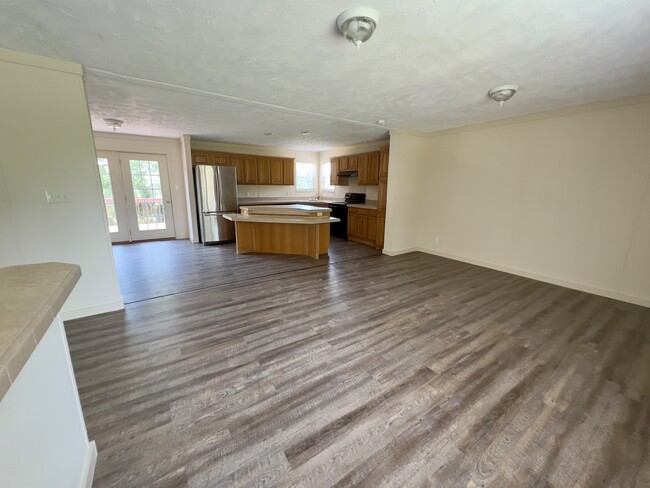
<point x="325" y="170"/>
<point x="305" y="176"/>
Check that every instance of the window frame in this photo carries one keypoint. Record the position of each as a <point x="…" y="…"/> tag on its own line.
<point x="315" y="179"/>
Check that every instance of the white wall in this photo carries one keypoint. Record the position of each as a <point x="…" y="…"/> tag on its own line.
<point x="46" y="143"/>
<point x="171" y="149"/>
<point x="563" y="197"/>
<point x="404" y="198"/>
<point x="353" y="182"/>
<point x="44" y="441"/>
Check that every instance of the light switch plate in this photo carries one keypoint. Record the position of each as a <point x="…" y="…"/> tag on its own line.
<point x="57" y="196"/>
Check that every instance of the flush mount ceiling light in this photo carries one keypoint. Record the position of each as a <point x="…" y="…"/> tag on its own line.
<point x="503" y="93"/>
<point x="357" y="24"/>
<point x="114" y="123"/>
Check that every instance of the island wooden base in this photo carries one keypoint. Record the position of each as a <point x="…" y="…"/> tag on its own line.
<point x="283" y="238"/>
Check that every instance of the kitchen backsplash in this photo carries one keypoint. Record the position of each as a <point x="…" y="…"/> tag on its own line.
<point x="252" y="191"/>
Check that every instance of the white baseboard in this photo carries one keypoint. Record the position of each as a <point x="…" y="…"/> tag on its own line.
<point x="89" y="466"/>
<point x="644" y="302"/>
<point x="78" y="313"/>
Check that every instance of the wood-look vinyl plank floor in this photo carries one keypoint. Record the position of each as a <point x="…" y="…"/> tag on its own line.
<point x="359" y="370"/>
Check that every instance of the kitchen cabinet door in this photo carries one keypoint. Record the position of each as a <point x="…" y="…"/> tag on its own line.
<point x="363" y="169"/>
<point x="263" y="170"/>
<point x="344" y="163"/>
<point x="362" y="226"/>
<point x="353" y="220"/>
<point x="334" y="169"/>
<point x="250" y="170"/>
<point x="201" y="157"/>
<point x="276" y="171"/>
<point x="237" y="162"/>
<point x="287" y="171"/>
<point x="353" y="163"/>
<point x="383" y="166"/>
<point x="372" y="229"/>
<point x="381" y="228"/>
<point x="373" y="169"/>
<point x="220" y="159"/>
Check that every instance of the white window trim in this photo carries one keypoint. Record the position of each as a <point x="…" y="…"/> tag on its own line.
<point x="321" y="176"/>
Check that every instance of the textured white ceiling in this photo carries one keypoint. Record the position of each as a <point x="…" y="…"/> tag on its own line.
<point x="231" y="70"/>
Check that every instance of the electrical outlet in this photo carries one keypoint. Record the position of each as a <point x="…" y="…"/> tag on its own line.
<point x="57" y="197"/>
<point x="436" y="242"/>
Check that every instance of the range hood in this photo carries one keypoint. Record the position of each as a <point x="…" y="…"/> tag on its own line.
<point x="347" y="173"/>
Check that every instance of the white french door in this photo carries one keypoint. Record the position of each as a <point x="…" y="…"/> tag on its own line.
<point x="136" y="196"/>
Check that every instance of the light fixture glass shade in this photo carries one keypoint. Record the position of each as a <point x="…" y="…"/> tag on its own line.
<point x="114" y="123"/>
<point x="358" y="30"/>
<point x="502" y="93"/>
<point x="358" y="24"/>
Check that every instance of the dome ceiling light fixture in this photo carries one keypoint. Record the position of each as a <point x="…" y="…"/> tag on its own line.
<point x="114" y="123"/>
<point x="503" y="93"/>
<point x="358" y="24"/>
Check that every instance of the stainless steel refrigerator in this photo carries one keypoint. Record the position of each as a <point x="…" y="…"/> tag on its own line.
<point x="216" y="194"/>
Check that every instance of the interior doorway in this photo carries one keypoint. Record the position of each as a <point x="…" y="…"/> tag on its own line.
<point x="137" y="198"/>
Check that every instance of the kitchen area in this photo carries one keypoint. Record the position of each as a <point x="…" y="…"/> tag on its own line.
<point x="225" y="181"/>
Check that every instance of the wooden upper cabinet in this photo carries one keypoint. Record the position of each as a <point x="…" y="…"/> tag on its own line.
<point x="334" y="169"/>
<point x="383" y="166"/>
<point x="287" y="171"/>
<point x="369" y="168"/>
<point x="275" y="171"/>
<point x="363" y="168"/>
<point x="263" y="170"/>
<point x="373" y="168"/>
<point x="237" y="162"/>
<point x="250" y="170"/>
<point x="353" y="163"/>
<point x="220" y="159"/>
<point x="201" y="157"/>
<point x="344" y="163"/>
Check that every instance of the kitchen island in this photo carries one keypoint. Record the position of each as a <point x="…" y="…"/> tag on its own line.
<point x="283" y="229"/>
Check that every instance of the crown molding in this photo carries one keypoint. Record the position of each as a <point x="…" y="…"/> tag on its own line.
<point x="561" y="112"/>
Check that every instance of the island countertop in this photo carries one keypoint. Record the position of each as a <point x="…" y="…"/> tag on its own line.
<point x="280" y="219"/>
<point x="31" y="296"/>
<point x="283" y="214"/>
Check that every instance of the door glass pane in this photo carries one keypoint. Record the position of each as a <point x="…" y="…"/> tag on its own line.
<point x="107" y="190"/>
<point x="149" y="207"/>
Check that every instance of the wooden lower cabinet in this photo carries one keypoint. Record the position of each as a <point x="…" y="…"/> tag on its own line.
<point x="381" y="229"/>
<point x="362" y="225"/>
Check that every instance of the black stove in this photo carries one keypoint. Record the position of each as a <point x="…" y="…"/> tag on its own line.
<point x="340" y="211"/>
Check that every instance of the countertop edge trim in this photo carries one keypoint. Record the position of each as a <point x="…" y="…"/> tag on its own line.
<point x="17" y="352"/>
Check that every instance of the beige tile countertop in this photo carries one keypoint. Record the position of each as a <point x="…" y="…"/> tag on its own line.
<point x="31" y="296"/>
<point x="280" y="219"/>
<point x="370" y="205"/>
<point x="284" y="200"/>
